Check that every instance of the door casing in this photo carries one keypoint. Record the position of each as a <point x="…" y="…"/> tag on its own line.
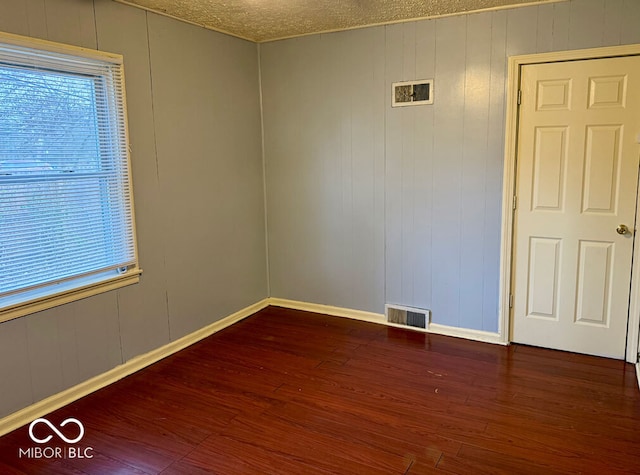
<point x="509" y="189"/>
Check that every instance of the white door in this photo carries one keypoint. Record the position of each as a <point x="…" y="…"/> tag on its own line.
<point x="577" y="175"/>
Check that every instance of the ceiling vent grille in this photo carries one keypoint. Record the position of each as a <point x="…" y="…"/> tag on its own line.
<point x="412" y="93"/>
<point x="408" y="316"/>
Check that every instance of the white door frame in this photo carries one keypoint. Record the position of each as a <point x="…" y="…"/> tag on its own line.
<point x="509" y="184"/>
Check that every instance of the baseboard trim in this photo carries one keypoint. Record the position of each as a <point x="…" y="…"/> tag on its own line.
<point x="328" y="310"/>
<point x="638" y="373"/>
<point x="468" y="334"/>
<point x="24" y="416"/>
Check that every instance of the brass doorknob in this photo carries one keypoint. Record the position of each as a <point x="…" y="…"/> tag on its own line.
<point x="622" y="229"/>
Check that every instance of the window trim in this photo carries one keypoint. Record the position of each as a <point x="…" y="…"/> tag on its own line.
<point x="78" y="288"/>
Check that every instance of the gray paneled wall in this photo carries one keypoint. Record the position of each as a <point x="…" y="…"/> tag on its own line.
<point x="194" y="119"/>
<point x="343" y="167"/>
<point x="324" y="138"/>
<point x="207" y="129"/>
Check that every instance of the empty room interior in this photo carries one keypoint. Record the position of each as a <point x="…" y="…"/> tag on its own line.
<point x="335" y="237"/>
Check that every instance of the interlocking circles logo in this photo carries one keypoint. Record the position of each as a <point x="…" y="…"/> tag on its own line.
<point x="54" y="429"/>
<point x="70" y="431"/>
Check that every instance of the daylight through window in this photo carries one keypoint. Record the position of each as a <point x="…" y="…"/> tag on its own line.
<point x="66" y="213"/>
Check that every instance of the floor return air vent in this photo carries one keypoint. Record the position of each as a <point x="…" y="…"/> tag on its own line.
<point x="408" y="316"/>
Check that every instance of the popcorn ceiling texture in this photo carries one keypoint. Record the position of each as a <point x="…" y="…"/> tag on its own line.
<point x="267" y="20"/>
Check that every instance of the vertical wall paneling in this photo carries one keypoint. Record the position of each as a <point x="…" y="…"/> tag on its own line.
<point x="15" y="17"/>
<point x="24" y="17"/>
<point x="477" y="90"/>
<point x="545" y="22"/>
<point x="586" y="24"/>
<point x="394" y="63"/>
<point x="425" y="57"/>
<point x="71" y="22"/>
<point x="365" y="215"/>
<point x="409" y="193"/>
<point x="381" y="101"/>
<point x="44" y="354"/>
<point x="207" y="129"/>
<point x="344" y="258"/>
<point x="522" y="29"/>
<point x="297" y="197"/>
<point x="68" y="345"/>
<point x="331" y="234"/>
<point x="97" y="334"/>
<point x="324" y="167"/>
<point x="276" y="105"/>
<point x="334" y="231"/>
<point x="493" y="185"/>
<point x="36" y="18"/>
<point x="451" y="40"/>
<point x="561" y="16"/>
<point x="15" y="371"/>
<point x="613" y="20"/>
<point x="630" y="22"/>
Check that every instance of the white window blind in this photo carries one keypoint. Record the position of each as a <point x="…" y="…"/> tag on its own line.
<point x="66" y="211"/>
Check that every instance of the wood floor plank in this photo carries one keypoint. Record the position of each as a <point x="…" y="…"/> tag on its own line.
<point x="481" y="461"/>
<point x="341" y="426"/>
<point x="101" y="464"/>
<point x="292" y="392"/>
<point x="298" y="442"/>
<point x="228" y="456"/>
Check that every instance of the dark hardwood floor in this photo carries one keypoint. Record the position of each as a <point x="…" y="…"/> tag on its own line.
<point x="289" y="392"/>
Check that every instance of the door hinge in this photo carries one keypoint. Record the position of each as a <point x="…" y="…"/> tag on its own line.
<point x="510" y="300"/>
<point x="515" y="202"/>
<point x="519" y="96"/>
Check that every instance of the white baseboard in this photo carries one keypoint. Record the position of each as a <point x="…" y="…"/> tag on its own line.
<point x="328" y="310"/>
<point x="41" y="408"/>
<point x="478" y="335"/>
<point x="638" y="373"/>
<point x="467" y="333"/>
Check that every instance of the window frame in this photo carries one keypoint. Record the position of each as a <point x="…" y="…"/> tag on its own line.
<point x="25" y="302"/>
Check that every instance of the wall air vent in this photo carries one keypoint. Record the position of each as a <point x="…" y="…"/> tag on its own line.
<point x="408" y="316"/>
<point x="412" y="93"/>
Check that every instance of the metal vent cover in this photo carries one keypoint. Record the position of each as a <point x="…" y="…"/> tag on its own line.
<point x="408" y="316"/>
<point x="412" y="93"/>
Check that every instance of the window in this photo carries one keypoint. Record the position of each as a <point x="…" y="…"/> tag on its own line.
<point x="66" y="212"/>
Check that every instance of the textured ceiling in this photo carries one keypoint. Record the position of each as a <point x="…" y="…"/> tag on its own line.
<point x="267" y="20"/>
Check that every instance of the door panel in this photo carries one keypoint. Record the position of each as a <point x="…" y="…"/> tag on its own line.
<point x="594" y="282"/>
<point x="544" y="265"/>
<point x="577" y="173"/>
<point x="550" y="161"/>
<point x="602" y="161"/>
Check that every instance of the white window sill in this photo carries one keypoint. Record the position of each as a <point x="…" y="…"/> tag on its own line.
<point x="51" y="296"/>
